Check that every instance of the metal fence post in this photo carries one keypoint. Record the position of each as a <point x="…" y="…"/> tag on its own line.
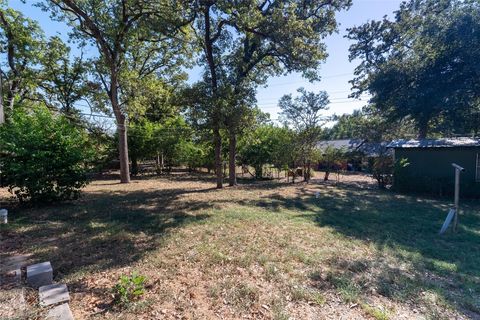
<point x="458" y="169"/>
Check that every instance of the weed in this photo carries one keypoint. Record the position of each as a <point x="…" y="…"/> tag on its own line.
<point x="376" y="313"/>
<point x="240" y="295"/>
<point x="278" y="310"/>
<point x="345" y="287"/>
<point x="243" y="295"/>
<point x="271" y="272"/>
<point x="299" y="293"/>
<point x="129" y="288"/>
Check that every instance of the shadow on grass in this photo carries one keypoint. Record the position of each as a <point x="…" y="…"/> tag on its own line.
<point x="115" y="229"/>
<point x="101" y="230"/>
<point x="406" y="227"/>
<point x="107" y="229"/>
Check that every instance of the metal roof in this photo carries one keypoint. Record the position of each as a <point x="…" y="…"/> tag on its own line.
<point x="435" y="143"/>
<point x="347" y="144"/>
<point x="350" y="145"/>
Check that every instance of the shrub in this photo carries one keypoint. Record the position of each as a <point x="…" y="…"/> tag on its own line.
<point x="382" y="170"/>
<point x="43" y="156"/>
<point x="129" y="288"/>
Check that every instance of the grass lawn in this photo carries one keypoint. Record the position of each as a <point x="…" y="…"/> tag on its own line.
<point x="264" y="250"/>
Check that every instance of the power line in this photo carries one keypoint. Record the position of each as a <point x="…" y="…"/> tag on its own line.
<point x="330" y="99"/>
<point x="307" y="81"/>
<point x="339" y="100"/>
<point x="275" y="105"/>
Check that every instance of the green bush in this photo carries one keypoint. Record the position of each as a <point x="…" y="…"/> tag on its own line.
<point x="129" y="288"/>
<point x="43" y="156"/>
<point x="384" y="169"/>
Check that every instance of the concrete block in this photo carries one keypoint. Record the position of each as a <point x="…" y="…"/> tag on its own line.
<point x="53" y="294"/>
<point x="60" y="312"/>
<point x="40" y="274"/>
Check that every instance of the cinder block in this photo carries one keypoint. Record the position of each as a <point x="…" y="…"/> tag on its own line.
<point x="60" y="312"/>
<point x="40" y="274"/>
<point x="53" y="294"/>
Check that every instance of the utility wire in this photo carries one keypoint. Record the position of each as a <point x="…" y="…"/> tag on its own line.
<point x="307" y="81"/>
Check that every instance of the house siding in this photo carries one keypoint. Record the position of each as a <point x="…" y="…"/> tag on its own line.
<point x="430" y="170"/>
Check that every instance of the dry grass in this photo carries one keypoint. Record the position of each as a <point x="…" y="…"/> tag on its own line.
<point x="263" y="250"/>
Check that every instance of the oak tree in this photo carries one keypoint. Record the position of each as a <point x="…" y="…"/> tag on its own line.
<point x="246" y="42"/>
<point x="115" y="28"/>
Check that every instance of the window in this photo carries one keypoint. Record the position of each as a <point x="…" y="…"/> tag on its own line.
<point x="477" y="168"/>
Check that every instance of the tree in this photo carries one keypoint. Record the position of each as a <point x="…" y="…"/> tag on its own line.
<point x="422" y="63"/>
<point x="142" y="142"/>
<point x="171" y="137"/>
<point x="262" y="146"/>
<point x="332" y="160"/>
<point x="44" y="157"/>
<point x="167" y="141"/>
<point x="246" y="42"/>
<point x="369" y="124"/>
<point x="303" y="113"/>
<point x="63" y="79"/>
<point x="117" y="28"/>
<point x="241" y="116"/>
<point x="21" y="44"/>
<point x="192" y="154"/>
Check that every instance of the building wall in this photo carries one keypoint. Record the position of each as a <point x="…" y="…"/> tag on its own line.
<point x="430" y="170"/>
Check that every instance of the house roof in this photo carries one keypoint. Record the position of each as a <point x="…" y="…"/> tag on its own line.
<point x="346" y="144"/>
<point x="350" y="145"/>
<point x="435" y="143"/>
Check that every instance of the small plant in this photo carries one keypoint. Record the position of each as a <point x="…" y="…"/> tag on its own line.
<point x="345" y="287"/>
<point x="376" y="313"/>
<point x="299" y="293"/>
<point x="129" y="288"/>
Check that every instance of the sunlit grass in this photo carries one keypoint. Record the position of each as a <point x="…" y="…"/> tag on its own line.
<point x="278" y="251"/>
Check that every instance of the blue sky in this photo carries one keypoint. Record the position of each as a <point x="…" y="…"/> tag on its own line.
<point x="335" y="72"/>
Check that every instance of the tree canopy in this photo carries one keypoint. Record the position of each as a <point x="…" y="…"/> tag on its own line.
<point x="422" y="62"/>
<point x="243" y="43"/>
<point x="304" y="114"/>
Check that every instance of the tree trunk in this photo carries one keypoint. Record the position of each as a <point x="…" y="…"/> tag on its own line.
<point x="123" y="151"/>
<point x="134" y="166"/>
<point x="158" y="168"/>
<point x="162" y="162"/>
<point x="2" y="108"/>
<point x="259" y="171"/>
<point x="327" y="173"/>
<point x="422" y="128"/>
<point x="308" y="173"/>
<point x="217" y="141"/>
<point x="121" y="127"/>
<point x="232" y="157"/>
<point x="122" y="141"/>
<point x="11" y="101"/>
